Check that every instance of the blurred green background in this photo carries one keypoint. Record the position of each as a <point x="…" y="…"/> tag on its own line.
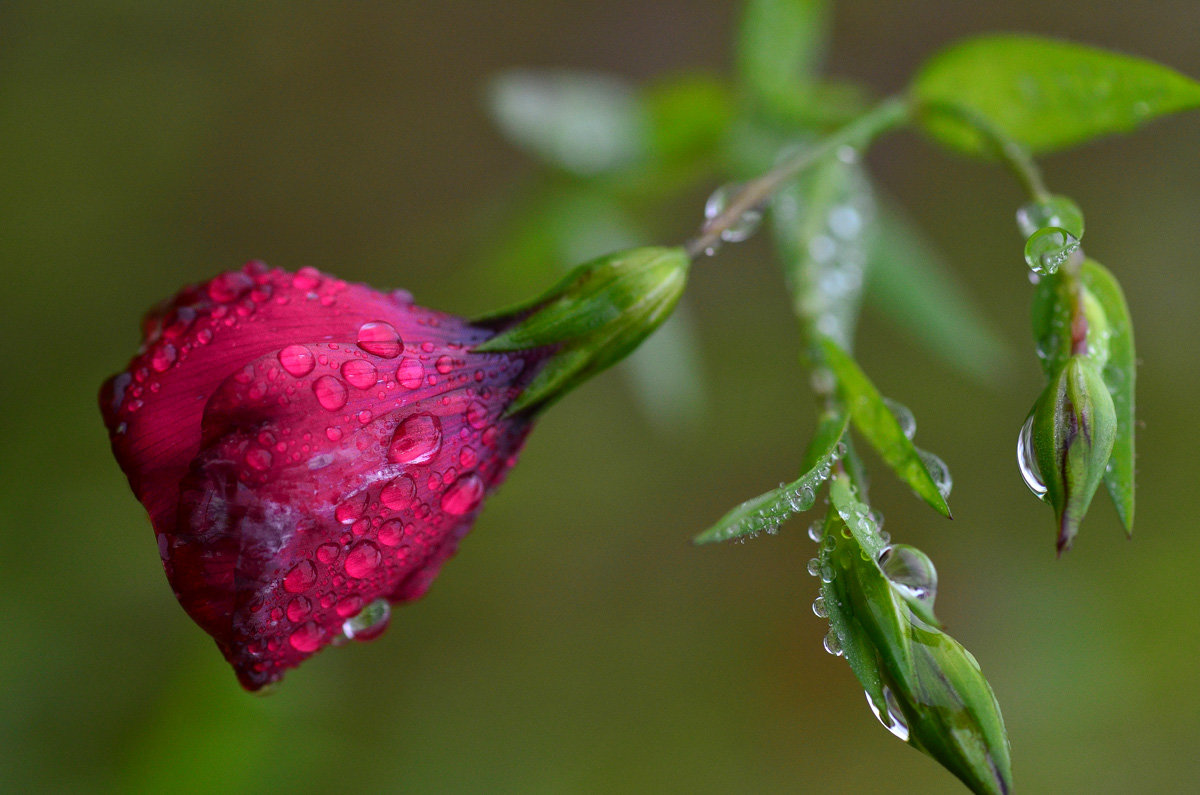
<point x="578" y="642"/>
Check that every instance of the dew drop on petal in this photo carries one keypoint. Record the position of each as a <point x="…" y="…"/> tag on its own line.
<point x="350" y="509"/>
<point x="163" y="357"/>
<point x="398" y="494"/>
<point x="328" y="553"/>
<point x="360" y="373"/>
<point x="362" y="560"/>
<point x="348" y="605"/>
<point x="258" y="459"/>
<point x="477" y="414"/>
<point x="330" y="392"/>
<point x="297" y="360"/>
<point x="307" y="638"/>
<point x="464" y="495"/>
<point x="444" y="364"/>
<point x="380" y="338"/>
<point x="391" y="533"/>
<point x="298" y="609"/>
<point x="417" y="440"/>
<point x="302" y="577"/>
<point x="410" y="373"/>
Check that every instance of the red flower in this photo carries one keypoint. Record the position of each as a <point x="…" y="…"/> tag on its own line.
<point x="308" y="451"/>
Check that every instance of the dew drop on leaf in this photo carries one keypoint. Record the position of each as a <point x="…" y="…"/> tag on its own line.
<point x="1031" y="473"/>
<point x="1048" y="248"/>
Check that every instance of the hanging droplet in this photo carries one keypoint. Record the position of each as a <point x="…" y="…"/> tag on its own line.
<point x="745" y="225"/>
<point x="1048" y="248"/>
<point x="814" y="567"/>
<point x="370" y="623"/>
<point x="816" y="530"/>
<point x="1056" y="211"/>
<point x="938" y="471"/>
<point x="832" y="644"/>
<point x="1031" y="473"/>
<point x="904" y="417"/>
<point x="894" y="719"/>
<point x="819" y="609"/>
<point x="910" y="570"/>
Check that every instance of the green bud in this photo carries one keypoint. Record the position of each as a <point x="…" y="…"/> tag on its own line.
<point x="594" y="318"/>
<point x="1074" y="425"/>
<point x="921" y="683"/>
<point x="1068" y="320"/>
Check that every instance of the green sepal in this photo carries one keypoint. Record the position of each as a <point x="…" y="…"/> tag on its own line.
<point x="1074" y="425"/>
<point x="1041" y="93"/>
<point x="594" y="318"/>
<point x="767" y="511"/>
<point x="875" y="421"/>
<point x="1120" y="374"/>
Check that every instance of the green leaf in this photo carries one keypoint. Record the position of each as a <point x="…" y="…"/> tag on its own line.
<point x="1119" y="373"/>
<point x="876" y="422"/>
<point x="766" y="511"/>
<point x="689" y="116"/>
<point x="910" y="284"/>
<point x="1042" y="93"/>
<point x="823" y="225"/>
<point x="780" y="46"/>
<point x="583" y="122"/>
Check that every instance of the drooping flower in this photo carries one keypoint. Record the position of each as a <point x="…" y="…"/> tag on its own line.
<point x="306" y="448"/>
<point x="311" y="451"/>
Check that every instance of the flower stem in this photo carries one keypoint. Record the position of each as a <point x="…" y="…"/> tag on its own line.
<point x="887" y="115"/>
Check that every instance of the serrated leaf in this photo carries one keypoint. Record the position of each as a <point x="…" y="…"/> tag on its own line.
<point x="823" y="225"/>
<point x="909" y="283"/>
<point x="766" y="511"/>
<point x="583" y="122"/>
<point x="780" y="46"/>
<point x="1120" y="374"/>
<point x="878" y="425"/>
<point x="1042" y="93"/>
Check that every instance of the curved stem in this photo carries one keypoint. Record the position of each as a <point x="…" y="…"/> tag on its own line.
<point x="887" y="115"/>
<point x="1014" y="155"/>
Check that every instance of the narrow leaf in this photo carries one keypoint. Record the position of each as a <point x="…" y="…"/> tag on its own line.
<point x="909" y="283"/>
<point x="780" y="46"/>
<point x="585" y="123"/>
<point x="875" y="421"/>
<point x="767" y="511"/>
<point x="1119" y="373"/>
<point x="1042" y="93"/>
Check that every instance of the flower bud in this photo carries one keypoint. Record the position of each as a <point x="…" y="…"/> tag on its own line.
<point x="1074" y="425"/>
<point x="594" y="318"/>
<point x="923" y="685"/>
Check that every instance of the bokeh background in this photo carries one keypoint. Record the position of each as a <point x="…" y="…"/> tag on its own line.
<point x="578" y="642"/>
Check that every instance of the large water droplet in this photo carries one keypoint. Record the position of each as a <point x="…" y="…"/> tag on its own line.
<point x="349" y="510"/>
<point x="1048" y="248"/>
<point x="163" y="357"/>
<point x="307" y="638"/>
<point x="362" y="560"/>
<point x="370" y="623"/>
<point x="1056" y="211"/>
<point x="464" y="495"/>
<point x="1031" y="473"/>
<point x="819" y="609"/>
<point x="938" y="471"/>
<point x="416" y="441"/>
<point x="745" y="225"/>
<point x="297" y="360"/>
<point x="298" y="609"/>
<point x="330" y="392"/>
<point x="302" y="577"/>
<point x="832" y="643"/>
<point x="391" y="533"/>
<point x="904" y="417"/>
<point x="910" y="570"/>
<point x="360" y="373"/>
<point x="398" y="493"/>
<point x="894" y="720"/>
<point x="381" y="339"/>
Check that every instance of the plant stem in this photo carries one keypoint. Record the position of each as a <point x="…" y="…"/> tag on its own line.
<point x="887" y="115"/>
<point x="1014" y="155"/>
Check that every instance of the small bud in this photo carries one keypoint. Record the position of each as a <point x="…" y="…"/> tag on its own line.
<point x="1074" y="425"/>
<point x="594" y="318"/>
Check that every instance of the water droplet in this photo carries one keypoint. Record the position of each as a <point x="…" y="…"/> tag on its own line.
<point x="228" y="286"/>
<point x="391" y="533"/>
<point x="416" y="441"/>
<point x="910" y="570"/>
<point x="298" y="609"/>
<point x="1031" y="473"/>
<point x="741" y="229"/>
<point x="410" y="374"/>
<point x="306" y="639"/>
<point x="360" y="373"/>
<point x="904" y="417"/>
<point x="349" y="510"/>
<point x="847" y="154"/>
<point x="464" y="495"/>
<point x="330" y="392"/>
<point x="894" y="720"/>
<point x="381" y="339"/>
<point x="818" y="608"/>
<point x="1054" y="211"/>
<point x="816" y="530"/>
<point x="297" y="360"/>
<point x="362" y="560"/>
<point x="163" y="357"/>
<point x="814" y="567"/>
<point x="444" y="364"/>
<point x="302" y="577"/>
<point x="845" y="221"/>
<point x="307" y="278"/>
<point x="348" y="605"/>
<point x="258" y="459"/>
<point x="398" y="494"/>
<point x="832" y="643"/>
<point x="938" y="471"/>
<point x="1048" y="248"/>
<point x="370" y="623"/>
<point x="328" y="553"/>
